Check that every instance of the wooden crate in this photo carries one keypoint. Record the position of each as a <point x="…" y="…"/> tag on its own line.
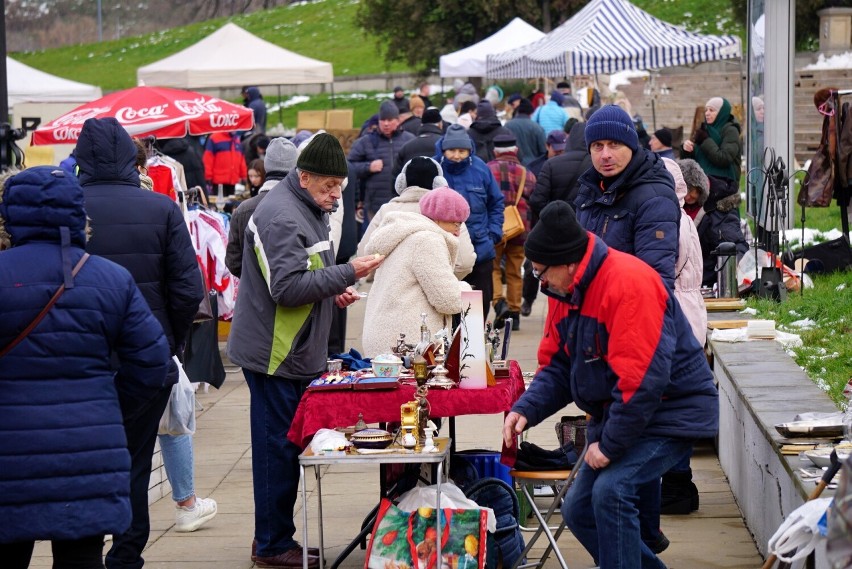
<point x="339" y="119"/>
<point x="310" y="120"/>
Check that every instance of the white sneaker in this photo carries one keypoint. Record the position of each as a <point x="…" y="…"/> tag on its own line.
<point x="187" y="519"/>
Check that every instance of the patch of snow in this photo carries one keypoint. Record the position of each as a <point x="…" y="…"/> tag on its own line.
<point x="805" y="324"/>
<point x="811" y="235"/>
<point x="295" y="100"/>
<point x="623" y="78"/>
<point x="839" y="61"/>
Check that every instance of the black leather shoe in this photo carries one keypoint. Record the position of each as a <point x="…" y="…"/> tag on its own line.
<point x="516" y="320"/>
<point x="526" y="308"/>
<point x="290" y="559"/>
<point x="501" y="312"/>
<point x="312" y="551"/>
<point x="660" y="544"/>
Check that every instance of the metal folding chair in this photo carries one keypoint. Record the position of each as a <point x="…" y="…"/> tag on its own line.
<point x="559" y="481"/>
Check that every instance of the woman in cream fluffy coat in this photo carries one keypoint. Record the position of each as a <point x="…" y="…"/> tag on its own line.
<point x="417" y="274"/>
<point x="690" y="264"/>
<point x="418" y="177"/>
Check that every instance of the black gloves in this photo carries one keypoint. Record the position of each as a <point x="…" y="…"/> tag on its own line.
<point x="700" y="135"/>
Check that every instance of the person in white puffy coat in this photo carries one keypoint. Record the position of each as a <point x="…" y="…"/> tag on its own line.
<point x="419" y="176"/>
<point x="417" y="274"/>
<point x="690" y="264"/>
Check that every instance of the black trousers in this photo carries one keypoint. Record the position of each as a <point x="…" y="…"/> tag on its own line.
<point x="337" y="334"/>
<point x="480" y="279"/>
<point x="531" y="284"/>
<point x="85" y="553"/>
<point x="141" y="423"/>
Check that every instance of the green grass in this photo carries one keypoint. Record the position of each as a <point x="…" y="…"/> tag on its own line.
<point x="323" y="30"/>
<point x="826" y="354"/>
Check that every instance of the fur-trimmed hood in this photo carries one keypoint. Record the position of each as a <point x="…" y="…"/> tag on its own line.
<point x="729" y="203"/>
<point x="695" y="177"/>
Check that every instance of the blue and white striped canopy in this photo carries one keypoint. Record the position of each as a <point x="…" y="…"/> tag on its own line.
<point x="608" y="36"/>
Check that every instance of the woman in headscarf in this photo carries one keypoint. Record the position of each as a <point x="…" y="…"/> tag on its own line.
<point x="716" y="144"/>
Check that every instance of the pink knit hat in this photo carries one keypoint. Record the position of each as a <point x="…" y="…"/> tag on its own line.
<point x="444" y="204"/>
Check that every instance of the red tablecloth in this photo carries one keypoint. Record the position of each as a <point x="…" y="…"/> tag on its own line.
<point x="331" y="409"/>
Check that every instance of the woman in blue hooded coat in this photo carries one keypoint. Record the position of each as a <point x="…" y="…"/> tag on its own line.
<point x="64" y="465"/>
<point x="467" y="174"/>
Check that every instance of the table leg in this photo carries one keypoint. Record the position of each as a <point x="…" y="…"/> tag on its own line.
<point x="438" y="560"/>
<point x="319" y="511"/>
<point x="304" y="516"/>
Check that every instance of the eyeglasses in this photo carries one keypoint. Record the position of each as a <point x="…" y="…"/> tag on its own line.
<point x="538" y="274"/>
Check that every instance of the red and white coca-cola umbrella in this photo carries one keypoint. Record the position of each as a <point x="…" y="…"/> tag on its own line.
<point x="144" y="111"/>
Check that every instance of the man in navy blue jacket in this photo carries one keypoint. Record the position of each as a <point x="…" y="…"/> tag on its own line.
<point x="146" y="234"/>
<point x="627" y="357"/>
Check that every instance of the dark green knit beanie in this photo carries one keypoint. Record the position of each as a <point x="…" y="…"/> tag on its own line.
<point x="323" y="156"/>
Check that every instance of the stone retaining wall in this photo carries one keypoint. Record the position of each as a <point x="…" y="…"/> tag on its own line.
<point x="761" y="386"/>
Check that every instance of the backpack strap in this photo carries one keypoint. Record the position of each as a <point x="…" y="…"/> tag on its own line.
<point x="26" y="331"/>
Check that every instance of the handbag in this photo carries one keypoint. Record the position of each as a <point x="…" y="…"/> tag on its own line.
<point x="818" y="186"/>
<point x="179" y="416"/>
<point x="513" y="221"/>
<point x="205" y="308"/>
<point x="26" y="331"/>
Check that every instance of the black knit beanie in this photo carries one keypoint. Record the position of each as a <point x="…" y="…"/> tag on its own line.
<point x="557" y="238"/>
<point x="420" y="171"/>
<point x="323" y="156"/>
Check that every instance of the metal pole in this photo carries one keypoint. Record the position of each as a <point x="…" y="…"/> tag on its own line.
<point x="100" y="23"/>
<point x="4" y="89"/>
<point x="333" y="103"/>
<point x="280" y="110"/>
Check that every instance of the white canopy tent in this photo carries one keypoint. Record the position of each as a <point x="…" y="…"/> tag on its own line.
<point x="29" y="85"/>
<point x="609" y="36"/>
<point x="233" y="57"/>
<point x="470" y="61"/>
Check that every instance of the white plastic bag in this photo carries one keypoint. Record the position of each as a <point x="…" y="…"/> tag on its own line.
<point x="328" y="440"/>
<point x="179" y="416"/>
<point x="451" y="497"/>
<point x="799" y="533"/>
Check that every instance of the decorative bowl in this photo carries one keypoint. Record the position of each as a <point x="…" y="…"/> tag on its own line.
<point x="387" y="365"/>
<point x="822" y="456"/>
<point x="371" y="438"/>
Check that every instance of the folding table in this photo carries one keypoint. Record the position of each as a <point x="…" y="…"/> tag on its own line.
<point x="309" y="459"/>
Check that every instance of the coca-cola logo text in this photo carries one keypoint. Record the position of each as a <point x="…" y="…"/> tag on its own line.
<point x="229" y="120"/>
<point x="67" y="133"/>
<point x="129" y="115"/>
<point x="197" y="107"/>
<point x="79" y="117"/>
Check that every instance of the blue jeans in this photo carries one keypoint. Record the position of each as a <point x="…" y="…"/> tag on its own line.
<point x="177" y="458"/>
<point x="601" y="510"/>
<point x="274" y="460"/>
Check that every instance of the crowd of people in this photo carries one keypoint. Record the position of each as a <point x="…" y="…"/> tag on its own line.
<point x="618" y="234"/>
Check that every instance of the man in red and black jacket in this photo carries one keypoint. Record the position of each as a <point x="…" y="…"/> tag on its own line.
<point x="625" y="354"/>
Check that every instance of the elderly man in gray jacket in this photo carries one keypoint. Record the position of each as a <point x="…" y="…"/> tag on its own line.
<point x="279" y="336"/>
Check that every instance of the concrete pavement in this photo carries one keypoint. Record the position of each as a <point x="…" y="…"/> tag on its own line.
<point x="712" y="537"/>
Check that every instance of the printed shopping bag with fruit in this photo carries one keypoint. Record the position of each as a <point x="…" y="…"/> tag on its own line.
<point x="408" y="540"/>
